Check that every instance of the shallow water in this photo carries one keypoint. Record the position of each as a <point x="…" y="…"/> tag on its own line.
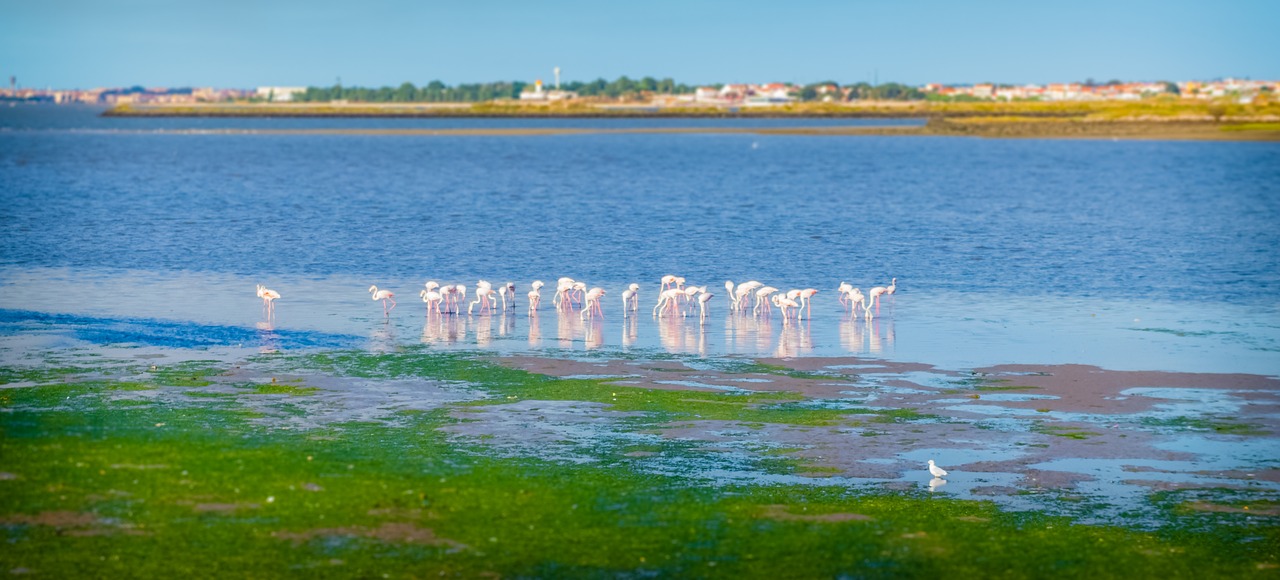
<point x="1127" y="255"/>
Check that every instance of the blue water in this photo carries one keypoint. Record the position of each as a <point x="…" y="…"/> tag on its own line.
<point x="1008" y="243"/>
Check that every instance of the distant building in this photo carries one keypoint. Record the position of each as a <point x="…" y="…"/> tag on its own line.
<point x="279" y="94"/>
<point x="537" y="94"/>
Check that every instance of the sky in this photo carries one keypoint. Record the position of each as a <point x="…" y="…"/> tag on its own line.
<point x="250" y="43"/>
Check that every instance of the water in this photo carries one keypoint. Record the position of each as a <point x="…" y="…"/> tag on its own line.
<point x="1129" y="255"/>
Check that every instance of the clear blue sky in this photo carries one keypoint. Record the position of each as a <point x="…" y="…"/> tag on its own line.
<point x="246" y="43"/>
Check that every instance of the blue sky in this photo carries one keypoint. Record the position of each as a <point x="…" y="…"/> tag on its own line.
<point x="246" y="43"/>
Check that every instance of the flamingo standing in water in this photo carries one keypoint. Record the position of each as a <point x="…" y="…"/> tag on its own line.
<point x="855" y="298"/>
<point x="384" y="296"/>
<point x="669" y="297"/>
<point x="785" y="304"/>
<point x="433" y="299"/>
<point x="630" y="299"/>
<point x="873" y="297"/>
<point x="844" y="289"/>
<point x="762" y="298"/>
<point x="591" y="303"/>
<point x="744" y="294"/>
<point x="806" y="304"/>
<point x="703" y="299"/>
<point x="893" y="287"/>
<point x="268" y="297"/>
<point x="484" y="297"/>
<point x="535" y="295"/>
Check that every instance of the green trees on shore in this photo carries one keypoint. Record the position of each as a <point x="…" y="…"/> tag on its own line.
<point x="621" y="88"/>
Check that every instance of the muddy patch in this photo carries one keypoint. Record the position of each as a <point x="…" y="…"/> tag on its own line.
<point x="391" y="532"/>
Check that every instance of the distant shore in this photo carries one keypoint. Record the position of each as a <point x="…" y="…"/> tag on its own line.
<point x="1159" y="120"/>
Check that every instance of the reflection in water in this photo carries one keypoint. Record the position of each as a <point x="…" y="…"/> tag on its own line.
<point x="535" y="329"/>
<point x="867" y="337"/>
<point x="629" y="331"/>
<point x="594" y="333"/>
<point x="936" y="483"/>
<point x="267" y="337"/>
<point x="794" y="340"/>
<point x="383" y="337"/>
<point x="483" y="328"/>
<point x="568" y="327"/>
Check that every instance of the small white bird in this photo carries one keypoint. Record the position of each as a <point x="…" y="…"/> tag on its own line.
<point x="936" y="471"/>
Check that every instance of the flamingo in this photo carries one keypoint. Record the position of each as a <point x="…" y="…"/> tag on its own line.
<point x="728" y="288"/>
<point x="873" y="296"/>
<point x="692" y="291"/>
<point x="762" y="298"/>
<point x="384" y="296"/>
<point x="703" y="299"/>
<point x="744" y="294"/>
<point x="268" y="297"/>
<point x="893" y="287"/>
<point x="561" y="298"/>
<point x="484" y="295"/>
<point x="508" y="291"/>
<point x="843" y="290"/>
<point x="461" y="296"/>
<point x="535" y="295"/>
<point x="635" y="295"/>
<point x="805" y="296"/>
<point x="431" y="285"/>
<point x="591" y="302"/>
<point x="668" y="297"/>
<point x="581" y="289"/>
<point x="432" y="298"/>
<point x="855" y="298"/>
<point x="785" y="304"/>
<point x="668" y="281"/>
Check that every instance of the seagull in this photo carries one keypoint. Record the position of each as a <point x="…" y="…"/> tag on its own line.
<point x="936" y="471"/>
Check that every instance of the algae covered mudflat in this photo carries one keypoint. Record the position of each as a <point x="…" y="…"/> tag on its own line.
<point x="414" y="462"/>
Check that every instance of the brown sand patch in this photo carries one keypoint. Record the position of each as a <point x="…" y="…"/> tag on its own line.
<point x="70" y="523"/>
<point x="1084" y="388"/>
<point x="779" y="512"/>
<point x="400" y="533"/>
<point x="874" y="366"/>
<point x="223" y="507"/>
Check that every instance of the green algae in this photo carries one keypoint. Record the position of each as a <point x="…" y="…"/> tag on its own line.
<point x="150" y="489"/>
<point x="1204" y="424"/>
<point x="183" y="498"/>
<point x="1063" y="431"/>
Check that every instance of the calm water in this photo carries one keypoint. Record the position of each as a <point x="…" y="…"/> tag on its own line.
<point x="1130" y="254"/>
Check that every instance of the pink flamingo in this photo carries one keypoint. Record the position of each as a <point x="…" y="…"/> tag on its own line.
<point x="384" y="296"/>
<point x="873" y="296"/>
<point x="433" y="299"/>
<point x="269" y="298"/>
<point x="805" y="296"/>
<point x="784" y="304"/>
<point x="703" y="299"/>
<point x="669" y="297"/>
<point x="893" y="287"/>
<point x="744" y="294"/>
<point x="535" y="295"/>
<point x="591" y="302"/>
<point x="843" y="290"/>
<point x="484" y="296"/>
<point x="762" y="298"/>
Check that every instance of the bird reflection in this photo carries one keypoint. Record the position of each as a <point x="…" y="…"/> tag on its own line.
<point x="629" y="330"/>
<point x="594" y="334"/>
<point x="936" y="483"/>
<point x="383" y="338"/>
<point x="268" y="339"/>
<point x="867" y="337"/>
<point x="535" y="329"/>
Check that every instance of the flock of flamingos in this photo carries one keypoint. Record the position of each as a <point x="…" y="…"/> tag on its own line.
<point x="673" y="298"/>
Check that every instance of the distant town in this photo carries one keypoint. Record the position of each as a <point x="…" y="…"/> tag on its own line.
<point x="653" y="92"/>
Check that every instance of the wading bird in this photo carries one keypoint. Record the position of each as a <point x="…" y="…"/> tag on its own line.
<point x="384" y="296"/>
<point x="936" y="471"/>
<point x="535" y="295"/>
<point x="268" y="297"/>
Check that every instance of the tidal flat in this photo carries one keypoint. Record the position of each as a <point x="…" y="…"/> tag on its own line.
<point x="415" y="462"/>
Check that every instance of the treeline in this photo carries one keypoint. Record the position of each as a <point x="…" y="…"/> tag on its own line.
<point x="438" y="92"/>
<point x="620" y="88"/>
<point x="432" y="92"/>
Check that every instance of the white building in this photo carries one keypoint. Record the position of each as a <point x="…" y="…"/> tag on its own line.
<point x="279" y="94"/>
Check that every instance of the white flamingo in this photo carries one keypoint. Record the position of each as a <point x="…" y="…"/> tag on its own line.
<point x="384" y="296"/>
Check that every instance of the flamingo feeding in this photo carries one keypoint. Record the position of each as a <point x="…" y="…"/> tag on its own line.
<point x="433" y="299"/>
<point x="535" y="295"/>
<point x="269" y="298"/>
<point x="384" y="296"/>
